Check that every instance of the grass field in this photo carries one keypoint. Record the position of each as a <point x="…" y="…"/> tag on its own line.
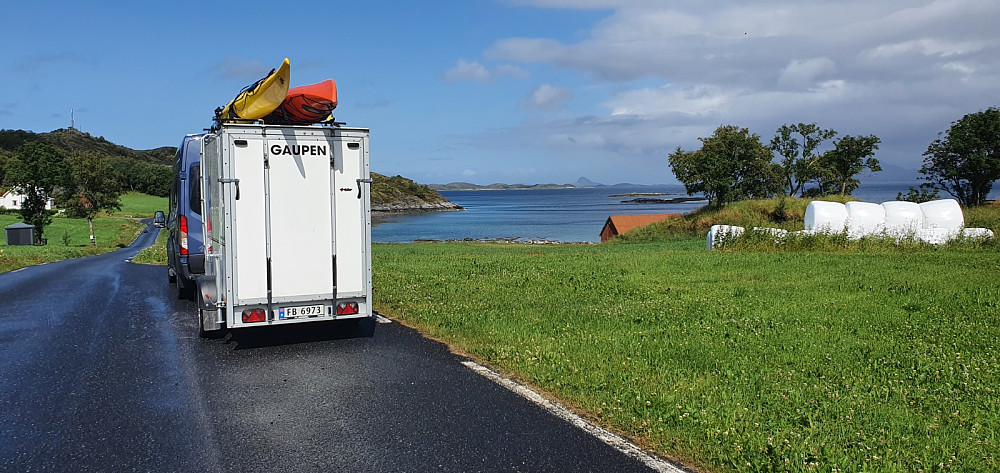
<point x="138" y="205"/>
<point x="70" y="237"/>
<point x="742" y="361"/>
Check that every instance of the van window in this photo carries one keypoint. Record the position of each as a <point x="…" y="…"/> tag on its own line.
<point x="194" y="184"/>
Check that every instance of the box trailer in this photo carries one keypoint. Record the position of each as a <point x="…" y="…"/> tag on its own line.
<point x="287" y="226"/>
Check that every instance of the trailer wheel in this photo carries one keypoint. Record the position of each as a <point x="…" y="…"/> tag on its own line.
<point x="185" y="292"/>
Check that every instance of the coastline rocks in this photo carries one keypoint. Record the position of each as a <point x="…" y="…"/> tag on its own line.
<point x="415" y="205"/>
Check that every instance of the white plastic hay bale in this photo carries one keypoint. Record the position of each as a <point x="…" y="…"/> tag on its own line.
<point x="977" y="233"/>
<point x="934" y="236"/>
<point x="945" y="214"/>
<point x="864" y="218"/>
<point x="718" y="233"/>
<point x="826" y="217"/>
<point x="902" y="219"/>
<point x="775" y="232"/>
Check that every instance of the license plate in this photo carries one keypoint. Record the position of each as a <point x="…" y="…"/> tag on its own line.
<point x="301" y="311"/>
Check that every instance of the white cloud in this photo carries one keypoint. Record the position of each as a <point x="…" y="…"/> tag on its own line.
<point x="549" y="97"/>
<point x="474" y="71"/>
<point x="803" y="73"/>
<point x="928" y="47"/>
<point x="469" y="173"/>
<point x="467" y="70"/>
<point x="900" y="70"/>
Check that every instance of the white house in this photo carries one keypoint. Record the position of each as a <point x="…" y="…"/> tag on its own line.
<point x="13" y="199"/>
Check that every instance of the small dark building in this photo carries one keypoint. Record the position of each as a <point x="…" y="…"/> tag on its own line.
<point x="20" y="234"/>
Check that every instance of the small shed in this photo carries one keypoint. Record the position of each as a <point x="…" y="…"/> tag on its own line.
<point x="618" y="224"/>
<point x="20" y="234"/>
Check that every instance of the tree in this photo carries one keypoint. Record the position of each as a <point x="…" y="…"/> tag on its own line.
<point x="138" y="176"/>
<point x="799" y="159"/>
<point x="965" y="160"/>
<point x="849" y="157"/>
<point x="4" y="160"/>
<point x="731" y="165"/>
<point x="37" y="170"/>
<point x="95" y="186"/>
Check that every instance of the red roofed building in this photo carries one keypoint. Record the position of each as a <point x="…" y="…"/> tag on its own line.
<point x="618" y="224"/>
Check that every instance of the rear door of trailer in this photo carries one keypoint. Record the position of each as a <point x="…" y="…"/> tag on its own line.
<point x="284" y="228"/>
<point x="353" y="221"/>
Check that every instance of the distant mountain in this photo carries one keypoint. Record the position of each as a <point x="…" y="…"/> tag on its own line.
<point x="584" y="182"/>
<point x="466" y="186"/>
<point x="890" y="173"/>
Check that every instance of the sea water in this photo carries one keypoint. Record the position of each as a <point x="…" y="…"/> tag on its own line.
<point x="570" y="215"/>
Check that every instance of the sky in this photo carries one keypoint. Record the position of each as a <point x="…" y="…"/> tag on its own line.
<point x="513" y="91"/>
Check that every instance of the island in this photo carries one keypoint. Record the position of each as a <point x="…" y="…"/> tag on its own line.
<point x="398" y="194"/>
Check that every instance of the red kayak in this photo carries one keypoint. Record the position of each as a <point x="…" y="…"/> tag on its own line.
<point x="306" y="104"/>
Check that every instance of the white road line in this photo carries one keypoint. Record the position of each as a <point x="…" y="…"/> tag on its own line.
<point x="615" y="441"/>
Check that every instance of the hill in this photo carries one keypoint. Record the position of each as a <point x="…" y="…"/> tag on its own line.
<point x="70" y="140"/>
<point x="399" y="194"/>
<point x="148" y="171"/>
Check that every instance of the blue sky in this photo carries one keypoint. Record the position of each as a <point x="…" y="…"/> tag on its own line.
<point x="516" y="91"/>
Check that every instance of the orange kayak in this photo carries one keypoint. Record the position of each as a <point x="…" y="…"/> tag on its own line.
<point x="306" y="104"/>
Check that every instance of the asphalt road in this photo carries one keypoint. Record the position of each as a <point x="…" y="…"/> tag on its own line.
<point x="101" y="369"/>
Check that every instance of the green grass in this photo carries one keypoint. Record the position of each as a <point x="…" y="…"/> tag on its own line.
<point x="732" y="361"/>
<point x="68" y="238"/>
<point x="139" y="205"/>
<point x="155" y="253"/>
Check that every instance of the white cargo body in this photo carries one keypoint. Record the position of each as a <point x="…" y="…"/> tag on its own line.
<point x="287" y="227"/>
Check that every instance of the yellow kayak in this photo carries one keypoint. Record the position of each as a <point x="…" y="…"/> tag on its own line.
<point x="259" y="99"/>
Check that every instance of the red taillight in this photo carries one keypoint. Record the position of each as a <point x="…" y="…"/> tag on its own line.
<point x="347" y="308"/>
<point x="254" y="315"/>
<point x="182" y="241"/>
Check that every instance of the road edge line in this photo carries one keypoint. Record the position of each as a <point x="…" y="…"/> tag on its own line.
<point x="611" y="439"/>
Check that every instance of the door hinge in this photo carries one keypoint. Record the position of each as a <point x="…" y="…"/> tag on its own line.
<point x="226" y="180"/>
<point x="360" y="181"/>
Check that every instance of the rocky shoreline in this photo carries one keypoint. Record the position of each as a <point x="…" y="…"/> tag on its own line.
<point x="415" y="206"/>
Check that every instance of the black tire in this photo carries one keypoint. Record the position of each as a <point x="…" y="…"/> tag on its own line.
<point x="185" y="292"/>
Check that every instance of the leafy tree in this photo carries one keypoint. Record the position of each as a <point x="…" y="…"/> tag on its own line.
<point x="799" y="159"/>
<point x="731" y="165"/>
<point x="923" y="194"/>
<point x="95" y="186"/>
<point x="4" y="160"/>
<point x="965" y="160"/>
<point x="37" y="170"/>
<point x="138" y="176"/>
<point x="849" y="157"/>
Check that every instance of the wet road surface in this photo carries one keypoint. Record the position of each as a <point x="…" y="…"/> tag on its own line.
<point x="101" y="369"/>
